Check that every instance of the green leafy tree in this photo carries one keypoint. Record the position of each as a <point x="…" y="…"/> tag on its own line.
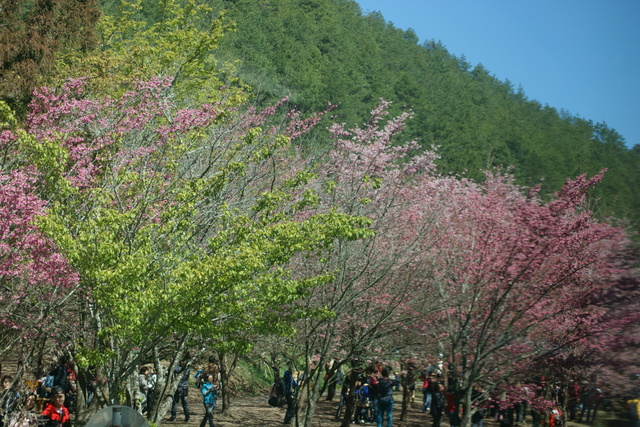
<point x="178" y="222"/>
<point x="179" y="42"/>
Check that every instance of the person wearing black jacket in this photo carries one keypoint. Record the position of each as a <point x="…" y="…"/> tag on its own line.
<point x="385" y="398"/>
<point x="180" y="396"/>
<point x="59" y="374"/>
<point x="290" y="386"/>
<point x="437" y="405"/>
<point x="372" y="380"/>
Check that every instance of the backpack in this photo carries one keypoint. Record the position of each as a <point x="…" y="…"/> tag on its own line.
<point x="281" y="387"/>
<point x="363" y="396"/>
<point x="276" y="394"/>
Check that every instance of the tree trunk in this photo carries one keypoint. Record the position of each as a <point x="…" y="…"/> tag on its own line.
<point x="82" y="410"/>
<point x="406" y="394"/>
<point x="314" y="392"/>
<point x="351" y="399"/>
<point x="166" y="382"/>
<point x="310" y="409"/>
<point x="466" y="403"/>
<point x="226" y="370"/>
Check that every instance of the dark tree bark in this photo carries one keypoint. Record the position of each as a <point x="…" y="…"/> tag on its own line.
<point x="31" y="33"/>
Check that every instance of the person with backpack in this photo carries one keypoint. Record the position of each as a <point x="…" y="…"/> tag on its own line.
<point x="276" y="394"/>
<point x="57" y="377"/>
<point x="213" y="369"/>
<point x="59" y="373"/>
<point x="209" y="392"/>
<point x="385" y="398"/>
<point x="289" y="386"/>
<point x="181" y="392"/>
<point x="363" y="402"/>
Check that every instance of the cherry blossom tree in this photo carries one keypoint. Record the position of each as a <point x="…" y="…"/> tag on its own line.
<point x="613" y="353"/>
<point x="491" y="276"/>
<point x="178" y="223"/>
<point x="175" y="224"/>
<point x="517" y="279"/>
<point x="371" y="295"/>
<point x="36" y="281"/>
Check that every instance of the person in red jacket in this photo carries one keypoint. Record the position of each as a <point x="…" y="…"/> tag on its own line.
<point x="56" y="413"/>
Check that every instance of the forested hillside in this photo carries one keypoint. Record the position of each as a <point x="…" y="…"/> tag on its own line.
<point x="319" y="51"/>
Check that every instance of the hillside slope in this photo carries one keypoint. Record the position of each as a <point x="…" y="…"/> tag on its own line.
<point x="319" y="51"/>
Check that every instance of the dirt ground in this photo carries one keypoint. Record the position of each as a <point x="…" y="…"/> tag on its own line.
<point x="254" y="411"/>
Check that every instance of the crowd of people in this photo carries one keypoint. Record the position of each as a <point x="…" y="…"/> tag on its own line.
<point x="46" y="402"/>
<point x="206" y="379"/>
<point x="374" y="402"/>
<point x="373" y="392"/>
<point x="50" y="401"/>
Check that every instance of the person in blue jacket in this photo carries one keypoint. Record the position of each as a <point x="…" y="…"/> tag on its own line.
<point x="209" y="399"/>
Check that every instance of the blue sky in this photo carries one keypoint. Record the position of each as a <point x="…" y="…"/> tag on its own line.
<point x="582" y="56"/>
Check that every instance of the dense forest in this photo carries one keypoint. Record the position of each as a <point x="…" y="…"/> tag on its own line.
<point x="306" y="187"/>
<point x="320" y="51"/>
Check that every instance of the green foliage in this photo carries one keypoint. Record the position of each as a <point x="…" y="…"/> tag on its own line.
<point x="328" y="51"/>
<point x="323" y="51"/>
<point x="189" y="229"/>
<point x="179" y="43"/>
<point x="170" y="242"/>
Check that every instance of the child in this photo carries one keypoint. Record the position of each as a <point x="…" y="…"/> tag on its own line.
<point x="55" y="412"/>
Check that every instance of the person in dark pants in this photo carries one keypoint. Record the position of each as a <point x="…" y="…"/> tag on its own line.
<point x="374" y="382"/>
<point x="438" y="402"/>
<point x="536" y="418"/>
<point x="209" y="398"/>
<point x="343" y="398"/>
<point x="332" y="379"/>
<point x="289" y="394"/>
<point x="181" y="392"/>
